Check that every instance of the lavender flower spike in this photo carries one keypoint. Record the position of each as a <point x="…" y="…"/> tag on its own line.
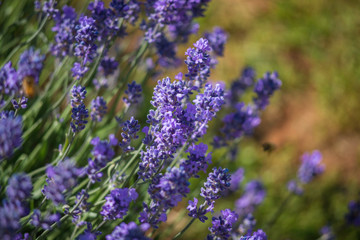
<point x="310" y="167"/>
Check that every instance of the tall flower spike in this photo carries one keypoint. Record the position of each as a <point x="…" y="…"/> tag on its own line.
<point x="130" y="129"/>
<point x="197" y="160"/>
<point x="30" y="64"/>
<point x="10" y="133"/>
<point x="129" y="231"/>
<point x="19" y="187"/>
<point x="217" y="181"/>
<point x="353" y="216"/>
<point x="117" y="203"/>
<point x="133" y="93"/>
<point x="98" y="109"/>
<point x="265" y="87"/>
<point x="217" y="40"/>
<point x="10" y="83"/>
<point x="79" y="111"/>
<point x="254" y="195"/>
<point x="61" y="178"/>
<point x="222" y="225"/>
<point x="310" y="166"/>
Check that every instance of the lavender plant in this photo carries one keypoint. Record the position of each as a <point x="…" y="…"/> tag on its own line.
<point x="79" y="161"/>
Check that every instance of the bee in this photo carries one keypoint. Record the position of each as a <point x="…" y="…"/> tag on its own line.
<point x="268" y="147"/>
<point x="29" y="86"/>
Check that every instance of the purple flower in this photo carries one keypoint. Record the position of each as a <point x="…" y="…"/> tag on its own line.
<point x="265" y="87"/>
<point x="79" y="71"/>
<point x="117" y="203"/>
<point x="258" y="235"/>
<point x="108" y="66"/>
<point x="207" y="105"/>
<point x="19" y="187"/>
<point x="130" y="129"/>
<point x="61" y="178"/>
<point x="327" y="233"/>
<point x="103" y="152"/>
<point x="22" y="103"/>
<point x="253" y="196"/>
<point x="10" y="133"/>
<point x="294" y="187"/>
<point x="46" y="221"/>
<point x="217" y="40"/>
<point x="217" y="181"/>
<point x="236" y="179"/>
<point x="353" y="216"/>
<point x="65" y="32"/>
<point x="197" y="160"/>
<point x="238" y="123"/>
<point x="30" y="64"/>
<point x="200" y="212"/>
<point x="89" y="234"/>
<point x="98" y="109"/>
<point x="86" y="34"/>
<point x="198" y="59"/>
<point x="79" y="111"/>
<point x="222" y="225"/>
<point x="129" y="11"/>
<point x="247" y="224"/>
<point x="10" y="214"/>
<point x="129" y="231"/>
<point x="133" y="93"/>
<point x="240" y="85"/>
<point x="166" y="192"/>
<point x="166" y="51"/>
<point x="310" y="166"/>
<point x="150" y="160"/>
<point x="49" y="7"/>
<point x="10" y="83"/>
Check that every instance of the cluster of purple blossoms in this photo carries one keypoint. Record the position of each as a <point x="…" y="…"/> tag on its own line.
<point x="353" y="216"/>
<point x="258" y="235"/>
<point x="88" y="233"/>
<point x="246" y="225"/>
<point x="14" y="207"/>
<point x="44" y="222"/>
<point x="166" y="191"/>
<point x="21" y="103"/>
<point x="107" y="20"/>
<point x="108" y="66"/>
<point x="79" y="111"/>
<point x="310" y="166"/>
<point x="48" y="7"/>
<point x="103" y="152"/>
<point x="217" y="40"/>
<point x="10" y="83"/>
<point x="61" y="178"/>
<point x="133" y="94"/>
<point x="198" y="62"/>
<point x="118" y="202"/>
<point x="217" y="182"/>
<point x="85" y="48"/>
<point x="129" y="231"/>
<point x="130" y="129"/>
<point x="176" y="15"/>
<point x="253" y="196"/>
<point x="236" y="179"/>
<point x="166" y="51"/>
<point x="265" y="87"/>
<point x="294" y="187"/>
<point x="98" y="109"/>
<point x="197" y="160"/>
<point x="222" y="226"/>
<point x="10" y="133"/>
<point x="65" y="32"/>
<point x="237" y="124"/>
<point x="240" y="85"/>
<point x="30" y="64"/>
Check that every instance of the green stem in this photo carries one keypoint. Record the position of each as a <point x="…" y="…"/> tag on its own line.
<point x="278" y="212"/>
<point x="184" y="229"/>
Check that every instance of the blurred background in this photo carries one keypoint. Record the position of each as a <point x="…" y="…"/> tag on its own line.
<point x="314" y="46"/>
